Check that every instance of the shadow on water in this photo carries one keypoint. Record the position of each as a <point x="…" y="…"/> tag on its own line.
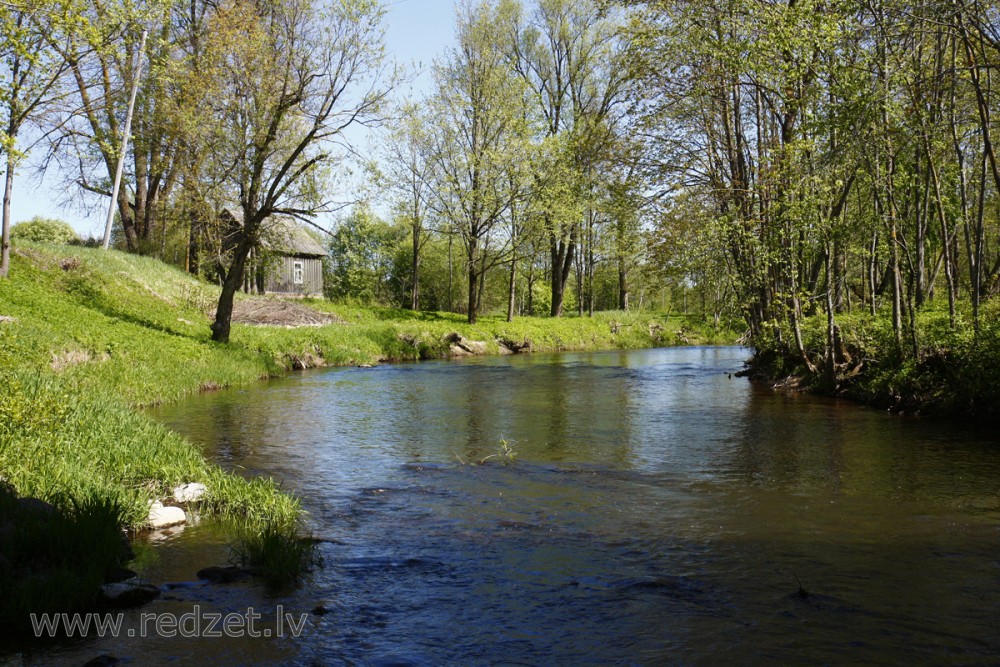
<point x="659" y="510"/>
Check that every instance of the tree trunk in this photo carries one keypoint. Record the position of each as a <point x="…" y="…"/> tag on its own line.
<point x="558" y="286"/>
<point x="531" y="287"/>
<point x="590" y="275"/>
<point x="231" y="285"/>
<point x="831" y="347"/>
<point x="8" y="190"/>
<point x="415" y="268"/>
<point x="473" y="289"/>
<point x="945" y="237"/>
<point x="622" y="285"/>
<point x="562" y="252"/>
<point x="451" y="276"/>
<point x="511" y="286"/>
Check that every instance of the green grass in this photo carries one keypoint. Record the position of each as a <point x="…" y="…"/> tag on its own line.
<point x="275" y="551"/>
<point x="398" y="334"/>
<point x="51" y="559"/>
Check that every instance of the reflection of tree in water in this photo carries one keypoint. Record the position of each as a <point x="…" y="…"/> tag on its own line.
<point x="477" y="403"/>
<point x="588" y="408"/>
<point x="557" y="376"/>
<point x="787" y="439"/>
<point x="227" y="422"/>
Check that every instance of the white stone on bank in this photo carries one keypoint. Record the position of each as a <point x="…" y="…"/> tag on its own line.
<point x="190" y="493"/>
<point x="161" y="517"/>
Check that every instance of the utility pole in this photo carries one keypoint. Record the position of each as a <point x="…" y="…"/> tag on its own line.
<point x="125" y="136"/>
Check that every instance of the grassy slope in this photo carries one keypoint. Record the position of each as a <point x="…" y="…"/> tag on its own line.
<point x="94" y="335"/>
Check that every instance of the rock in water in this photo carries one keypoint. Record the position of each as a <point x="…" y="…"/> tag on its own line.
<point x="223" y="575"/>
<point x="161" y="517"/>
<point x="117" y="575"/>
<point x="103" y="661"/>
<point x="129" y="594"/>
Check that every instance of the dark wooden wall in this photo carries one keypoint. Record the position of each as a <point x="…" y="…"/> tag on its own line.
<point x="281" y="274"/>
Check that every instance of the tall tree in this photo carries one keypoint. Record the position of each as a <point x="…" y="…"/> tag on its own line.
<point x="481" y="129"/>
<point x="570" y="54"/>
<point x="304" y="73"/>
<point x="410" y="180"/>
<point x="104" y="64"/>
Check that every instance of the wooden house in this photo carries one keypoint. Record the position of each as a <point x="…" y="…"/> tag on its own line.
<point x="289" y="261"/>
<point x="295" y="265"/>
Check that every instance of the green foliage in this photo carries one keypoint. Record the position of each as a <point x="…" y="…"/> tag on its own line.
<point x="955" y="372"/>
<point x="43" y="230"/>
<point x="361" y="263"/>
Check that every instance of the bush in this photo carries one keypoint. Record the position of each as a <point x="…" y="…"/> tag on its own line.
<point x="44" y="230"/>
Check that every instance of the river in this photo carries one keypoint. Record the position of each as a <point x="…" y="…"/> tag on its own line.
<point x="658" y="510"/>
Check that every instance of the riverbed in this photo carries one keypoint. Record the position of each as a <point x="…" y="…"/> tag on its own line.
<point x="625" y="507"/>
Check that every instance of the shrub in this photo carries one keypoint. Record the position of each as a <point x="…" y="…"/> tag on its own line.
<point x="44" y="230"/>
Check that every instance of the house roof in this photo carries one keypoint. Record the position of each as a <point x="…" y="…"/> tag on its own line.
<point x="283" y="234"/>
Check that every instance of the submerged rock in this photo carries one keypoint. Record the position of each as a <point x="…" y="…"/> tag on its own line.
<point x="129" y="593"/>
<point x="223" y="575"/>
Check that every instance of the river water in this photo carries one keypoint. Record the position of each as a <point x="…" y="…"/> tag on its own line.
<point x="659" y="510"/>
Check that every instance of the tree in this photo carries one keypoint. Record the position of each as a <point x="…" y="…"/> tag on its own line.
<point x="569" y="54"/>
<point x="480" y="130"/>
<point x="32" y="74"/>
<point x="409" y="179"/>
<point x="103" y="64"/>
<point x="824" y="155"/>
<point x="304" y="72"/>
<point x="361" y="258"/>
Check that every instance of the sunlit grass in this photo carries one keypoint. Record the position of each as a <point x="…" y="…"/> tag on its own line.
<point x="276" y="551"/>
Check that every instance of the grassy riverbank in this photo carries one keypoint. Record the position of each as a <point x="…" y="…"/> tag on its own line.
<point x="87" y="337"/>
<point x="937" y="369"/>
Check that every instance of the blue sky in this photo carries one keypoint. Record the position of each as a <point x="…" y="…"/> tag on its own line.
<point x="417" y="32"/>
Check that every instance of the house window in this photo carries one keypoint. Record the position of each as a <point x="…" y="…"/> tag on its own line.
<point x="297" y="273"/>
